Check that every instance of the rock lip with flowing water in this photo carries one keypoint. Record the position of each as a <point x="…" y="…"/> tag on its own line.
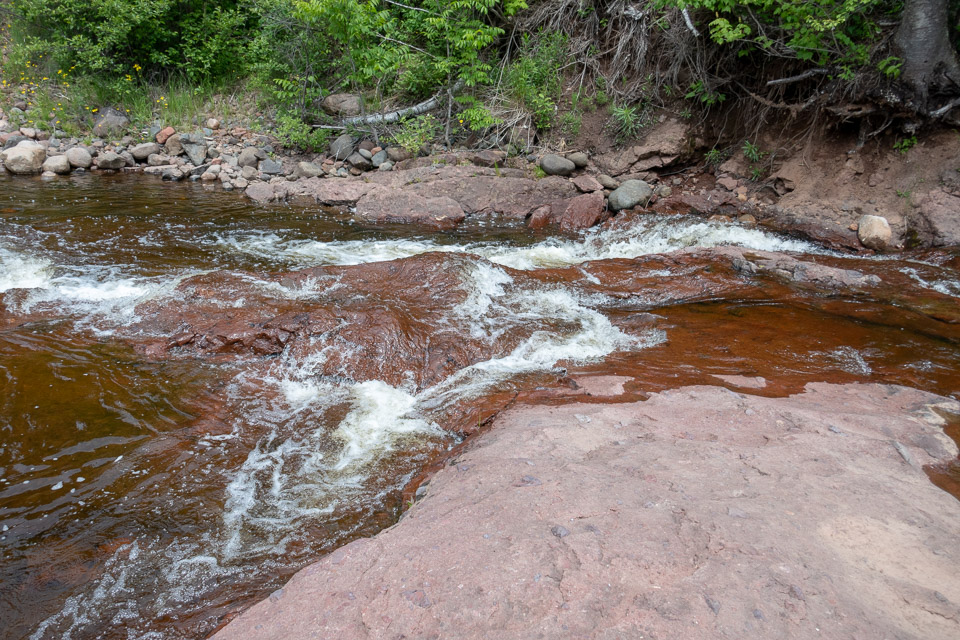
<point x="699" y="513"/>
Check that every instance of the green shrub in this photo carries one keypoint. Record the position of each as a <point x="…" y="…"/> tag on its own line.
<point x="200" y="39"/>
<point x="416" y="132"/>
<point x="533" y="80"/>
<point x="294" y="132"/>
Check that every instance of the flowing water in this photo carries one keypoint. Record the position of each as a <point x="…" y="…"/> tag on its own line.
<point x="200" y="396"/>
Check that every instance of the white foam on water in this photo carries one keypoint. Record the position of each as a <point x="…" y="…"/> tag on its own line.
<point x="946" y="287"/>
<point x="19" y="271"/>
<point x="643" y="236"/>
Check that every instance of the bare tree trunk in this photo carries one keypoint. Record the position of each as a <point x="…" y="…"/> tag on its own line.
<point x="930" y="67"/>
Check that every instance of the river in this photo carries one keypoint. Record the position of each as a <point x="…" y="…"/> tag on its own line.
<point x="201" y="396"/>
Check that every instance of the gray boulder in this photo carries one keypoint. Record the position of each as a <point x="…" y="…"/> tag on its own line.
<point x="79" y="157"/>
<point x="358" y="161"/>
<point x="379" y="158"/>
<point x="250" y="157"/>
<point x="341" y="104"/>
<point x="111" y="123"/>
<point x="172" y="146"/>
<point x="307" y="170"/>
<point x="554" y="165"/>
<point x="57" y="164"/>
<point x="271" y="167"/>
<point x="143" y="151"/>
<point x="195" y="147"/>
<point x="111" y="160"/>
<point x="630" y="194"/>
<point x="14" y="140"/>
<point x="579" y="159"/>
<point x="342" y="147"/>
<point x="874" y="232"/>
<point x="24" y="159"/>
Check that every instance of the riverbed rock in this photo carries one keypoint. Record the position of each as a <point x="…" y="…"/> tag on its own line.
<point x="261" y="192"/>
<point x="874" y="232"/>
<point x="655" y="521"/>
<point x="110" y="160"/>
<point x="398" y="154"/>
<point x="342" y="147"/>
<point x="79" y="157"/>
<point x="554" y="165"/>
<point x="195" y="147"/>
<point x="307" y="170"/>
<point x="583" y="212"/>
<point x="394" y="205"/>
<point x="57" y="164"/>
<point x="630" y="194"/>
<point x="587" y="184"/>
<point x="164" y="134"/>
<point x="271" y="167"/>
<point x="939" y="217"/>
<point x="143" y="151"/>
<point x="110" y="123"/>
<point x="173" y="147"/>
<point x="358" y="161"/>
<point x="379" y="158"/>
<point x="342" y="104"/>
<point x="14" y="140"/>
<point x="24" y="159"/>
<point x="250" y="157"/>
<point x="579" y="159"/>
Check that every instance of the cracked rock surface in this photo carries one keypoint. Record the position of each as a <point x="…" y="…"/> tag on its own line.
<point x="698" y="513"/>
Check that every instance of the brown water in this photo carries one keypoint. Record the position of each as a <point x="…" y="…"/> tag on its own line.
<point x="200" y="396"/>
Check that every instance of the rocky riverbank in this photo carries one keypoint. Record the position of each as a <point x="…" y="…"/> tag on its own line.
<point x="847" y="199"/>
<point x="702" y="512"/>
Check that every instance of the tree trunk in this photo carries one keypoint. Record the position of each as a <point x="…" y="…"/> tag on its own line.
<point x="930" y="68"/>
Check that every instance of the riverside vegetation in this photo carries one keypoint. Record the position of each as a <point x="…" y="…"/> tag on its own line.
<point x="491" y="72"/>
<point x="254" y="93"/>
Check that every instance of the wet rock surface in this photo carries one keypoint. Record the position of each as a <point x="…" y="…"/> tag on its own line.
<point x="698" y="513"/>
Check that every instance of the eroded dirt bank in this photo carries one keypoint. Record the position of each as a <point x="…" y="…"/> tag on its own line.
<point x="698" y="513"/>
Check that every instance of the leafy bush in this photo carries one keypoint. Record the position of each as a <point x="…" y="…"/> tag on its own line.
<point x="200" y="39"/>
<point x="627" y="121"/>
<point x="416" y="132"/>
<point x="533" y="80"/>
<point x="294" y="132"/>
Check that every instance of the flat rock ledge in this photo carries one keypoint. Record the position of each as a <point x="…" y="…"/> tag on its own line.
<point x="699" y="513"/>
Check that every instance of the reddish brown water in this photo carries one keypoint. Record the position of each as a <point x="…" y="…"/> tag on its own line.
<point x="200" y="396"/>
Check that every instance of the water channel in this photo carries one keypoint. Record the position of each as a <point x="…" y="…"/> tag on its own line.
<point x="200" y="396"/>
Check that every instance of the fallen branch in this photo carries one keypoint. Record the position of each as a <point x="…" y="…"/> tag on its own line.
<point x="400" y="114"/>
<point x="797" y="78"/>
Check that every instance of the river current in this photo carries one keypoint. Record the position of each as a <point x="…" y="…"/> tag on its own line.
<point x="201" y="396"/>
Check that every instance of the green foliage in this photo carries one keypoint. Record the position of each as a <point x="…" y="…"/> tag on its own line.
<point x="475" y="116"/>
<point x="715" y="157"/>
<point x="570" y="123"/>
<point x="752" y="152"/>
<point x="890" y="67"/>
<point x="827" y="32"/>
<point x="200" y="39"/>
<point x="416" y="132"/>
<point x="627" y="121"/>
<point x="905" y="144"/>
<point x="294" y="132"/>
<point x="699" y="91"/>
<point x="532" y="81"/>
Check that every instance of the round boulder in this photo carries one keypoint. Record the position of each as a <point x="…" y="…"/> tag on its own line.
<point x="143" y="151"/>
<point x="79" y="157"/>
<point x="874" y="232"/>
<point x="24" y="159"/>
<point x="554" y="165"/>
<point x="630" y="194"/>
<point x="578" y="158"/>
<point x="342" y="148"/>
<point x="57" y="164"/>
<point x="110" y="160"/>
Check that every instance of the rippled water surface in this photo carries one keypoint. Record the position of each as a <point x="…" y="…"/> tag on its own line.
<point x="200" y="396"/>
